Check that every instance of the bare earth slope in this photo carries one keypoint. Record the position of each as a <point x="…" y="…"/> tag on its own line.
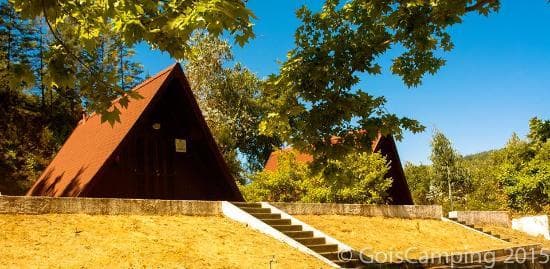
<point x="83" y="241"/>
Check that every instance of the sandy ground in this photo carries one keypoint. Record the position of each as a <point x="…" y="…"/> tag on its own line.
<point x="83" y="241"/>
<point x="518" y="237"/>
<point x="391" y="239"/>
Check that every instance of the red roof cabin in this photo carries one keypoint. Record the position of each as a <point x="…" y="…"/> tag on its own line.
<point x="399" y="192"/>
<point x="160" y="149"/>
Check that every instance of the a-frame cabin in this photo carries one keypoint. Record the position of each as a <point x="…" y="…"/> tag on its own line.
<point x="160" y="149"/>
<point x="398" y="193"/>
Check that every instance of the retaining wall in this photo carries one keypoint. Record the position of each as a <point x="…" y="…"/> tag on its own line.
<point x="532" y="225"/>
<point x="392" y="211"/>
<point x="106" y="206"/>
<point x="113" y="206"/>
<point x="497" y="218"/>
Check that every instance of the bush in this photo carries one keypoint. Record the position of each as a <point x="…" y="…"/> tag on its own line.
<point x="357" y="178"/>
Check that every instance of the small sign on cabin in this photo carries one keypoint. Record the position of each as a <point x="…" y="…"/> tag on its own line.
<point x="181" y="145"/>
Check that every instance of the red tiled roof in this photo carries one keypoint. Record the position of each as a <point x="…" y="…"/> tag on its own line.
<point x="92" y="143"/>
<point x="272" y="161"/>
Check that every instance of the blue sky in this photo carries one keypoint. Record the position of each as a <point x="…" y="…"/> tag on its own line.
<point x="495" y="80"/>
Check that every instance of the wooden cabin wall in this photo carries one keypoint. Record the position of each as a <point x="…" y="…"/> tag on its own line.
<point x="399" y="191"/>
<point x="146" y="164"/>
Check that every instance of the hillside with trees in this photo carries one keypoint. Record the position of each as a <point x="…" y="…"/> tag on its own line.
<point x="37" y="112"/>
<point x="515" y="177"/>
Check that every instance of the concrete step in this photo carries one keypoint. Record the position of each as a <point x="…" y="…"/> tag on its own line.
<point x="324" y="248"/>
<point x="330" y="255"/>
<point x="299" y="234"/>
<point x="263" y="216"/>
<point x="245" y="204"/>
<point x="277" y="221"/>
<point x="256" y="210"/>
<point x="311" y="240"/>
<point x="354" y="263"/>
<point x="285" y="228"/>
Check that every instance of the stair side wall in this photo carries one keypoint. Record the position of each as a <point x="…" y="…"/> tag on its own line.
<point x="235" y="213"/>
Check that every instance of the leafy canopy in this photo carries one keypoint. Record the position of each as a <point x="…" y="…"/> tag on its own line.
<point x="229" y="97"/>
<point x="315" y="95"/>
<point x="358" y="178"/>
<point x="448" y="170"/>
<point x="525" y="170"/>
<point x="80" y="27"/>
<point x="515" y="177"/>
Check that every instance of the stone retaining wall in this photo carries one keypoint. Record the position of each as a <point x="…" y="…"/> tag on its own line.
<point x="106" y="206"/>
<point x="497" y="218"/>
<point x="392" y="211"/>
<point x="112" y="206"/>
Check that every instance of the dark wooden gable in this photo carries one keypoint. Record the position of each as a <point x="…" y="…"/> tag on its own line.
<point x="146" y="165"/>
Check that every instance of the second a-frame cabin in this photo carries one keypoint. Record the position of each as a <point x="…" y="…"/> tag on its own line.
<point x="398" y="193"/>
<point x="160" y="149"/>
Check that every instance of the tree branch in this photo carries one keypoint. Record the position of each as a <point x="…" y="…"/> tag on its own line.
<point x="479" y="4"/>
<point x="57" y="37"/>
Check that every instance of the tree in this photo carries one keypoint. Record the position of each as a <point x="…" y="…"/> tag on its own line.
<point x="16" y="50"/>
<point x="525" y="171"/>
<point x="23" y="141"/>
<point x="486" y="192"/>
<point x="449" y="174"/>
<point x="37" y="116"/>
<point x="286" y="184"/>
<point x="80" y="26"/>
<point x="420" y="179"/>
<point x="229" y="97"/>
<point x="315" y="94"/>
<point x="539" y="131"/>
<point x="358" y="178"/>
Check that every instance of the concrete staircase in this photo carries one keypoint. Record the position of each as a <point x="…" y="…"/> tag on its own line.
<point x="487" y="232"/>
<point x="519" y="257"/>
<point x="286" y="228"/>
<point x="512" y="258"/>
<point x="298" y="233"/>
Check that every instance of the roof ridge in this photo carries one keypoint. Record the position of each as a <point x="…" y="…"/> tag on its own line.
<point x="137" y="87"/>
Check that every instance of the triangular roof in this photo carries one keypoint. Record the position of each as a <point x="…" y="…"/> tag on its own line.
<point x="399" y="190"/>
<point x="92" y="143"/>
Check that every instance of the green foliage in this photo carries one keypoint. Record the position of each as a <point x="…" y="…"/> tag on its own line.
<point x="539" y="131"/>
<point x="80" y="29"/>
<point x="27" y="141"/>
<point x="315" y="95"/>
<point x="525" y="172"/>
<point x="357" y="178"/>
<point x="286" y="184"/>
<point x="229" y="97"/>
<point x="486" y="192"/>
<point x="446" y="179"/>
<point x="448" y="171"/>
<point x="516" y="177"/>
<point x="420" y="179"/>
<point x="40" y="93"/>
<point x="17" y="47"/>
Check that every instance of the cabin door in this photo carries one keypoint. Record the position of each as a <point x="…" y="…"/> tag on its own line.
<point x="156" y="158"/>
